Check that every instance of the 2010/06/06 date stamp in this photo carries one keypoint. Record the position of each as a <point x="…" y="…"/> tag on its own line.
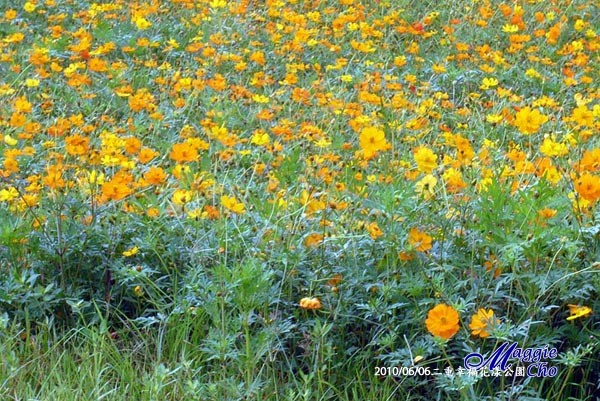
<point x="421" y="371"/>
<point x="397" y="371"/>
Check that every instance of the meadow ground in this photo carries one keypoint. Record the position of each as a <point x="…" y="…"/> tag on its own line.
<point x="299" y="200"/>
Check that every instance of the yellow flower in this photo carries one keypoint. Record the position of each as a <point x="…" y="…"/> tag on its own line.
<point x="481" y="322"/>
<point x="442" y="321"/>
<point x="9" y="140"/>
<point x="138" y="291"/>
<point x="142" y="23"/>
<point x="260" y="99"/>
<point x="551" y="148"/>
<point x="182" y="196"/>
<point x="29" y="7"/>
<point x="509" y="28"/>
<point x="372" y="140"/>
<point x="532" y="73"/>
<point x="8" y="194"/>
<point x="425" y="187"/>
<point x="32" y="83"/>
<point x="438" y="68"/>
<point x="425" y="158"/>
<point x="232" y="204"/>
<point x="218" y="4"/>
<point x="310" y="303"/>
<point x="131" y="251"/>
<point x="578" y="311"/>
<point x="22" y="105"/>
<point x="260" y="138"/>
<point x="488" y="83"/>
<point x="583" y="116"/>
<point x="529" y="121"/>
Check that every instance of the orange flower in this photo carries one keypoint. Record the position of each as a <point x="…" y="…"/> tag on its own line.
<point x="155" y="176"/>
<point x="97" y="65"/>
<point x="142" y="100"/>
<point x="313" y="240"/>
<point x="374" y="230"/>
<point x="454" y="181"/>
<point x="153" y="212"/>
<point x="442" y="321"/>
<point x="481" y="322"/>
<point x="529" y="121"/>
<point x="147" y="154"/>
<point x="310" y="303"/>
<point x="590" y="161"/>
<point x="53" y="178"/>
<point x="183" y="152"/>
<point x="132" y="145"/>
<point x="115" y="190"/>
<point x="547" y="213"/>
<point x="212" y="212"/>
<point x="419" y="240"/>
<point x="77" y="145"/>
<point x="492" y="265"/>
<point x="588" y="187"/>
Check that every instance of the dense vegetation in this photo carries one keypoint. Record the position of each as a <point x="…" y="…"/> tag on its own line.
<point x="275" y="200"/>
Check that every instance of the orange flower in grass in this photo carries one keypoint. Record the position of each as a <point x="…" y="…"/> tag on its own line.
<point x="310" y="303"/>
<point x="419" y="240"/>
<point x="183" y="152"/>
<point x="313" y="240"/>
<point x="146" y="155"/>
<point x="590" y="161"/>
<point x="77" y="145"/>
<point x="442" y="321"/>
<point x="588" y="187"/>
<point x="155" y="176"/>
<point x="481" y="322"/>
<point x="115" y="190"/>
<point x="54" y="178"/>
<point x="374" y="230"/>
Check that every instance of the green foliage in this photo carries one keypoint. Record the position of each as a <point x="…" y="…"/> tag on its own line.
<point x="348" y="166"/>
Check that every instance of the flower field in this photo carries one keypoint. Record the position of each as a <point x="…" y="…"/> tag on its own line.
<point x="282" y="199"/>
